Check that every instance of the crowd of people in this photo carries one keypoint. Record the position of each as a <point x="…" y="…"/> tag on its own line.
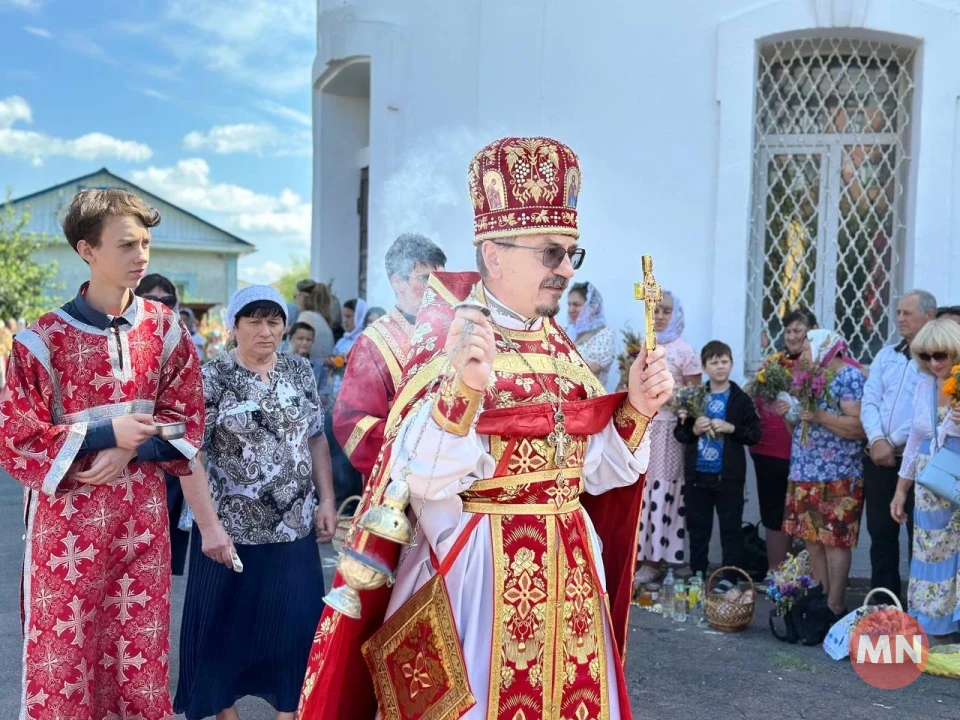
<point x="818" y="468"/>
<point x="120" y="426"/>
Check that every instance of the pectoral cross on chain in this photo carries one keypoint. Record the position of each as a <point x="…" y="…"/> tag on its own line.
<point x="559" y="438"/>
<point x="650" y="292"/>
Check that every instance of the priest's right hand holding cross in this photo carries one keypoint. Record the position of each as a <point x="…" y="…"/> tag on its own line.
<point x="651" y="382"/>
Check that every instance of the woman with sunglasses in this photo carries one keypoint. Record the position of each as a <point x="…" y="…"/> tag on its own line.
<point x="933" y="596"/>
<point x="158" y="288"/>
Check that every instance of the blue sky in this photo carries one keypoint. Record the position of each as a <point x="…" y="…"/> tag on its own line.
<point x="204" y="102"/>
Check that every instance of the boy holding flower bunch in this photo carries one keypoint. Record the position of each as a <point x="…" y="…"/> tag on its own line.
<point x="716" y="459"/>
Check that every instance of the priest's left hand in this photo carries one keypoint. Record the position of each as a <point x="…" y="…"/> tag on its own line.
<point x="651" y="382"/>
<point x="106" y="466"/>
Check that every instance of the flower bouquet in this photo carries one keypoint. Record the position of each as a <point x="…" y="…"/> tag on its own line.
<point x="774" y="377"/>
<point x="633" y="344"/>
<point x="689" y="401"/>
<point x="810" y="385"/>
<point x="789" y="582"/>
<point x="951" y="386"/>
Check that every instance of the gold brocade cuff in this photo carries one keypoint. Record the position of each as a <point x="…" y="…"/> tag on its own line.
<point x="631" y="424"/>
<point x="456" y="408"/>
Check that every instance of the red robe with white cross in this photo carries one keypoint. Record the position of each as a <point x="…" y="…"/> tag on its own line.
<point x="96" y="570"/>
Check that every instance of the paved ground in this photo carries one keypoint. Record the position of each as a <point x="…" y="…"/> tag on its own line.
<point x="673" y="671"/>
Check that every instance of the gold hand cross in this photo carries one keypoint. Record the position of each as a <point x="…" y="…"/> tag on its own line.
<point x="650" y="292"/>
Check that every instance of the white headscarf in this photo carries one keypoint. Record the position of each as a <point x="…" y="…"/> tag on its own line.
<point x="591" y="315"/>
<point x="345" y="344"/>
<point x="826" y="345"/>
<point x="241" y="298"/>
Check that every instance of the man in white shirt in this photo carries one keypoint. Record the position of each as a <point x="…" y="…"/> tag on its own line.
<point x="887" y="414"/>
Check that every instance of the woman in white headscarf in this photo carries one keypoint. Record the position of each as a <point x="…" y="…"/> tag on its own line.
<point x="825" y="488"/>
<point x="662" y="521"/>
<point x="588" y="329"/>
<point x="354" y="315"/>
<point x="248" y="626"/>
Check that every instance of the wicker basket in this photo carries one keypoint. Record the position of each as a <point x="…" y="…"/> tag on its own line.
<point x="724" y="615"/>
<point x="344" y="522"/>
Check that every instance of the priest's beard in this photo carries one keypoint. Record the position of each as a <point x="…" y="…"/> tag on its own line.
<point x="549" y="310"/>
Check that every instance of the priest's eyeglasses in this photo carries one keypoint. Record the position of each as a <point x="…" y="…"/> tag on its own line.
<point x="553" y="255"/>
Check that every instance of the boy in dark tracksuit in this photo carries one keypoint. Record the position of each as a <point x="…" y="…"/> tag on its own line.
<point x="716" y="460"/>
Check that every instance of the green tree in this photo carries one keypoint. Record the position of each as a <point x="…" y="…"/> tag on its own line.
<point x="287" y="283"/>
<point x="25" y="285"/>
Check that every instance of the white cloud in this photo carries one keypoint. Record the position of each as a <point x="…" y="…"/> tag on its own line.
<point x="229" y="139"/>
<point x="259" y="43"/>
<point x="85" y="46"/>
<point x="284" y="217"/>
<point x="23" y="4"/>
<point x="12" y="109"/>
<point x="255" y="138"/>
<point x="287" y="113"/>
<point x="36" y="146"/>
<point x="39" y="32"/>
<point x="256" y="271"/>
<point x="155" y="94"/>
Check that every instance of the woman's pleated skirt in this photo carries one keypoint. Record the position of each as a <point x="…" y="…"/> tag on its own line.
<point x="248" y="633"/>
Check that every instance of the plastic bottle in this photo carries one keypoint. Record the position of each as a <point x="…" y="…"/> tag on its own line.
<point x="680" y="601"/>
<point x="667" y="597"/>
<point x="695" y="599"/>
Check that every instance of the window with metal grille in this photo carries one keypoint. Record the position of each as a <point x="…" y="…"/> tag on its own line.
<point x="830" y="159"/>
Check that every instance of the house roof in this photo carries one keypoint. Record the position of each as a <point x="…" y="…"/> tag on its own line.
<point x="247" y="247"/>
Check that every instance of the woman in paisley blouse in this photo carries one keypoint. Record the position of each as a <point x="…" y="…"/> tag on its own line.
<point x="825" y="488"/>
<point x="247" y="627"/>
<point x="934" y="593"/>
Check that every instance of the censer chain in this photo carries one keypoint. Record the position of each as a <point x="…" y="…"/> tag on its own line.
<point x="446" y="377"/>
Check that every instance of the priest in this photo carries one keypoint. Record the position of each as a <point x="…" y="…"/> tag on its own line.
<point x="376" y="361"/>
<point x="520" y="469"/>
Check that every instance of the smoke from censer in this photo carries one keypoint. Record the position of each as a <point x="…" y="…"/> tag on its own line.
<point x="428" y="188"/>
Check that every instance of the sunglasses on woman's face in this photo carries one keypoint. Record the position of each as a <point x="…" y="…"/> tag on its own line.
<point x="169" y="300"/>
<point x="938" y="356"/>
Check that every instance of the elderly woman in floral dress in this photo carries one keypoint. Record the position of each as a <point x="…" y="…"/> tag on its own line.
<point x="662" y="522"/>
<point x="934" y="593"/>
<point x="825" y="489"/>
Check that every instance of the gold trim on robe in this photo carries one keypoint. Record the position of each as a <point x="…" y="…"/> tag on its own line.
<point x="362" y="428"/>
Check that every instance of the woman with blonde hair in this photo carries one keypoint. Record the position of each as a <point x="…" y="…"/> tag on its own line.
<point x="933" y="596"/>
<point x="314" y="300"/>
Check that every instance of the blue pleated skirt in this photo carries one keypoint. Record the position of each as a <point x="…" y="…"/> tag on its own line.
<point x="248" y="633"/>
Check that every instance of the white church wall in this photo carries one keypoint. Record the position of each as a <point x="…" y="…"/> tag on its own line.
<point x="658" y="101"/>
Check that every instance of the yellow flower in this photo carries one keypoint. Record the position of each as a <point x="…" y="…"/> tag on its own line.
<point x="950" y="387"/>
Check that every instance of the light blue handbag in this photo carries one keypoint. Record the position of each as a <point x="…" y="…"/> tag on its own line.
<point x="942" y="473"/>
